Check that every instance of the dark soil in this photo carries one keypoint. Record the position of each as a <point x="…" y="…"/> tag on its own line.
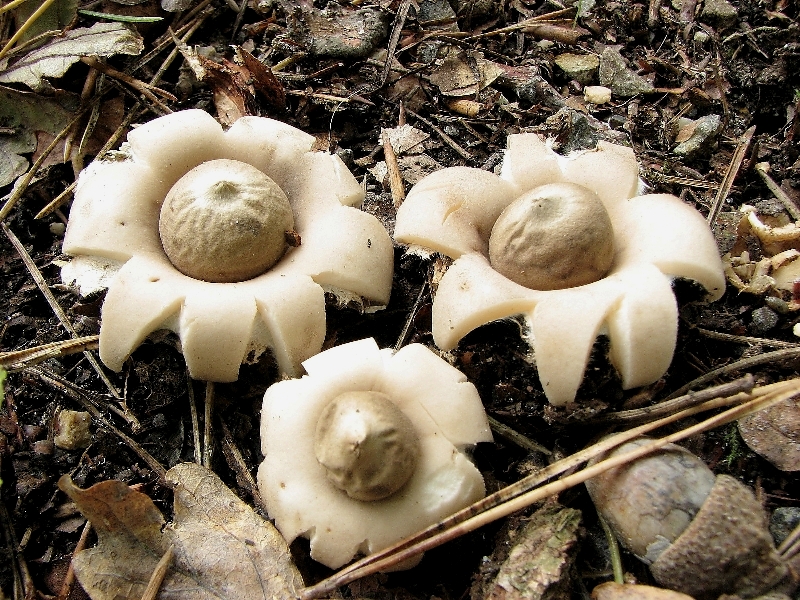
<point x="747" y="71"/>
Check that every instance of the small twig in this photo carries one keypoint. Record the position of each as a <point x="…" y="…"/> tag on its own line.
<point x="613" y="550"/>
<point x="395" y="178"/>
<point x="82" y="398"/>
<point x="147" y="90"/>
<point x="11" y="5"/>
<point x="22" y="576"/>
<point x="59" y="312"/>
<point x="730" y="174"/>
<point x="25" y="26"/>
<point x="236" y="462"/>
<point x="745" y="339"/>
<point x="157" y="578"/>
<point x="208" y="414"/>
<point x="516" y="437"/>
<point x="394" y="38"/>
<point x="198" y="458"/>
<point x="739" y="365"/>
<point x="790" y="542"/>
<point x="20" y="359"/>
<point x="744" y="384"/>
<point x="26" y="179"/>
<point x="69" y="578"/>
<point x="523" y="24"/>
<point x="788" y="203"/>
<point x="57" y="201"/>
<point x="414" y="309"/>
<point x="446" y="138"/>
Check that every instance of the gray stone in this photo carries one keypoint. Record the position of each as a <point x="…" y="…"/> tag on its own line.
<point x="763" y="320"/>
<point x="719" y="13"/>
<point x="615" y="74"/>
<point x="436" y="10"/>
<point x="783" y="521"/>
<point x="703" y="137"/>
<point x="581" y="67"/>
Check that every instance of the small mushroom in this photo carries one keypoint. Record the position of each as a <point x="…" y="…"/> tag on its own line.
<point x="368" y="448"/>
<point x="567" y="244"/>
<point x="229" y="238"/>
<point x="701" y="535"/>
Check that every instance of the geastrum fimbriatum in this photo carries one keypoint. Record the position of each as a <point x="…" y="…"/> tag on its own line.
<point x="567" y="243"/>
<point x="369" y="448"/>
<point x="228" y="238"/>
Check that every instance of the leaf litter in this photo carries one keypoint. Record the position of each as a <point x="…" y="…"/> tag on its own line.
<point x="221" y="547"/>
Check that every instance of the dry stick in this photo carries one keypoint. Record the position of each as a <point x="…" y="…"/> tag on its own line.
<point x="730" y="174"/>
<point x="790" y="542"/>
<point x="447" y="139"/>
<point x="28" y="177"/>
<point x="62" y="197"/>
<point x="523" y="24"/>
<point x="394" y="38"/>
<point x="147" y="90"/>
<point x="745" y="339"/>
<point x="437" y="535"/>
<point x="516" y="437"/>
<point x="69" y="578"/>
<point x="195" y="422"/>
<point x="236" y="462"/>
<point x="665" y="407"/>
<point x="20" y="359"/>
<point x="788" y="203"/>
<point x="414" y="309"/>
<point x="208" y="412"/>
<point x="157" y="578"/>
<point x="745" y="363"/>
<point x="83" y="399"/>
<point x="11" y="6"/>
<point x="51" y="300"/>
<point x="22" y="577"/>
<point x="25" y="26"/>
<point x="526" y="486"/>
<point x="395" y="179"/>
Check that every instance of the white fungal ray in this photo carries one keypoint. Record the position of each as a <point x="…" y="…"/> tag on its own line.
<point x="115" y="216"/>
<point x="657" y="237"/>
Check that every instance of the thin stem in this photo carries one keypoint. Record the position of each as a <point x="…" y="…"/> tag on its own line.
<point x="208" y="442"/>
<point x="25" y="26"/>
<point x="613" y="550"/>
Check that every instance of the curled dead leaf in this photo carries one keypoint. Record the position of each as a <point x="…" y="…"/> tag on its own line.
<point x="222" y="548"/>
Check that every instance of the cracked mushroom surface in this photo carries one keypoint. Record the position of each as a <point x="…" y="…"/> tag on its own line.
<point x="569" y="244"/>
<point x="195" y="229"/>
<point x="369" y="448"/>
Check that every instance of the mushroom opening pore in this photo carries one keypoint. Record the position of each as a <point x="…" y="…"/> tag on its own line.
<point x="225" y="221"/>
<point x="553" y="237"/>
<point x="368" y="447"/>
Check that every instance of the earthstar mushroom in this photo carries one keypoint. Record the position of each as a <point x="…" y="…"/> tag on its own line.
<point x="354" y="488"/>
<point x="655" y="237"/>
<point x="187" y="226"/>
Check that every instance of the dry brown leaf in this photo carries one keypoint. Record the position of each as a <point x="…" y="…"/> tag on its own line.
<point x="774" y="433"/>
<point x="222" y="549"/>
<point x="618" y="591"/>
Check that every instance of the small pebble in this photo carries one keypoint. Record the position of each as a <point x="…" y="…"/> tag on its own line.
<point x="58" y="228"/>
<point x="763" y="320"/>
<point x="72" y="430"/>
<point x="597" y="94"/>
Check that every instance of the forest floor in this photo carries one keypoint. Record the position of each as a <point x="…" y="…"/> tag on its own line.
<point x="702" y="92"/>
